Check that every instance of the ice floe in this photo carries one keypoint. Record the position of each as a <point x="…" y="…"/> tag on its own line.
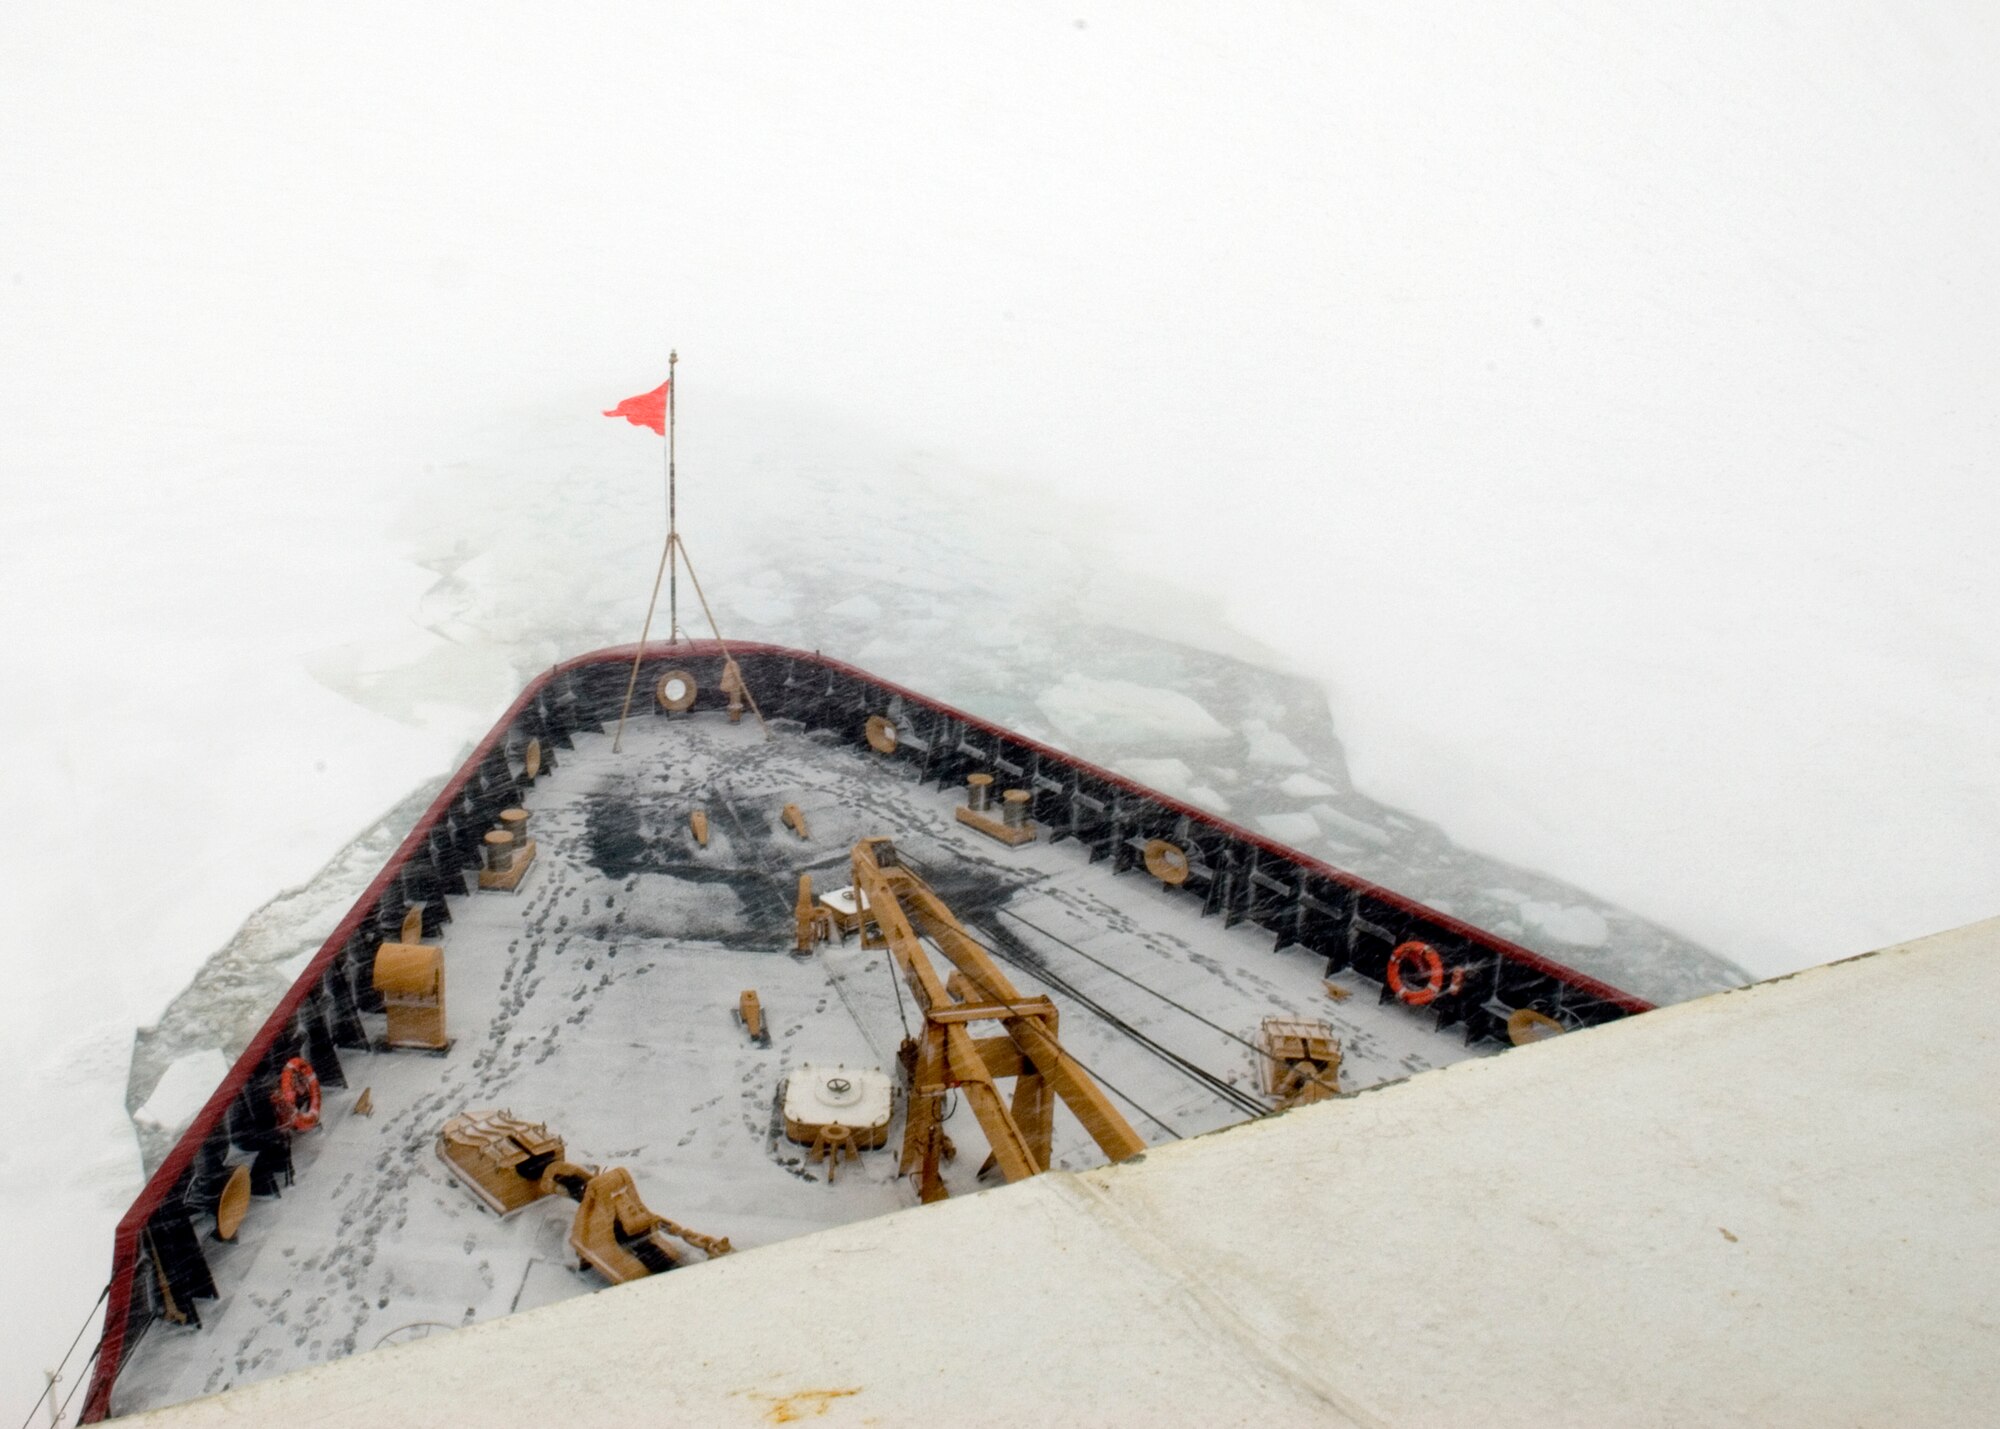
<point x="856" y="607"/>
<point x="1335" y="822"/>
<point x="1269" y="746"/>
<point x="183" y="1089"/>
<point x="1567" y="923"/>
<point x="1293" y="829"/>
<point x="1086" y="708"/>
<point x="1173" y="777"/>
<point x="1304" y="786"/>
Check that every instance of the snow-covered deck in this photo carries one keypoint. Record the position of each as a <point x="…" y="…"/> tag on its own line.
<point x="600" y="998"/>
<point x="1773" y="1206"/>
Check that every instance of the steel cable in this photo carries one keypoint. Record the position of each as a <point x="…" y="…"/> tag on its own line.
<point x="1119" y="972"/>
<point x="1221" y="1087"/>
<point x="64" y="1364"/>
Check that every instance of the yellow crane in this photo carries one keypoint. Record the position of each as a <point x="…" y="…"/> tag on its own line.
<point x="904" y="910"/>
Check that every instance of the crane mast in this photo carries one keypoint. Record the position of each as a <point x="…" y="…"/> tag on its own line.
<point x="903" y="911"/>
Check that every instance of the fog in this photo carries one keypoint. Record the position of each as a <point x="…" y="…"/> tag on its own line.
<point x="1597" y="410"/>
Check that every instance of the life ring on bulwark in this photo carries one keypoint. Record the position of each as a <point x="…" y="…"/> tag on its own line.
<point x="1433" y="979"/>
<point x="298" y="1096"/>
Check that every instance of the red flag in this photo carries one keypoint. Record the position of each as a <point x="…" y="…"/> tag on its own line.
<point x="649" y="410"/>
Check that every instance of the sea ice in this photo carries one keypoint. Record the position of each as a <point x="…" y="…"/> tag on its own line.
<point x="288" y="971"/>
<point x="1091" y="709"/>
<point x="403" y="462"/>
<point x="1169" y="776"/>
<point x="1567" y="923"/>
<point x="183" y="1089"/>
<point x="1293" y="829"/>
<point x="856" y="607"/>
<point x="1338" y="823"/>
<point x="1173" y="778"/>
<point x="758" y="606"/>
<point x="1268" y="746"/>
<point x="1304" y="786"/>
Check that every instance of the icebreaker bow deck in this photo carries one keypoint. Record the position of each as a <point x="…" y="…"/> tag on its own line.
<point x="687" y="977"/>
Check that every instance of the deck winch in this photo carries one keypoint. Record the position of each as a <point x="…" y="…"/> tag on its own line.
<point x="1301" y="1060"/>
<point x="410" y="977"/>
<point x="510" y="1163"/>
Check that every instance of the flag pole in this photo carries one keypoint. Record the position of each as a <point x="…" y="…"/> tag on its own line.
<point x="673" y="525"/>
<point x="667" y="560"/>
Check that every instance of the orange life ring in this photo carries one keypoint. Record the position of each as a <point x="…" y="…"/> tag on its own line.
<point x="1434" y="980"/>
<point x="298" y="1096"/>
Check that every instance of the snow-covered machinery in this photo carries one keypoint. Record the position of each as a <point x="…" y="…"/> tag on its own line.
<point x="838" y="1111"/>
<point x="1301" y="1060"/>
<point x="510" y="1163"/>
<point x="410" y="978"/>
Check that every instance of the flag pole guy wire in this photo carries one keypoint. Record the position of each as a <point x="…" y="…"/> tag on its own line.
<point x="717" y="630"/>
<point x="640" y="412"/>
<point x="666" y="554"/>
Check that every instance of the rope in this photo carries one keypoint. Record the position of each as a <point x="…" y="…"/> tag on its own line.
<point x="88" y="1317"/>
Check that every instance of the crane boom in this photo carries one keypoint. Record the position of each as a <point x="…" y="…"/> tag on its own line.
<point x="905" y="911"/>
